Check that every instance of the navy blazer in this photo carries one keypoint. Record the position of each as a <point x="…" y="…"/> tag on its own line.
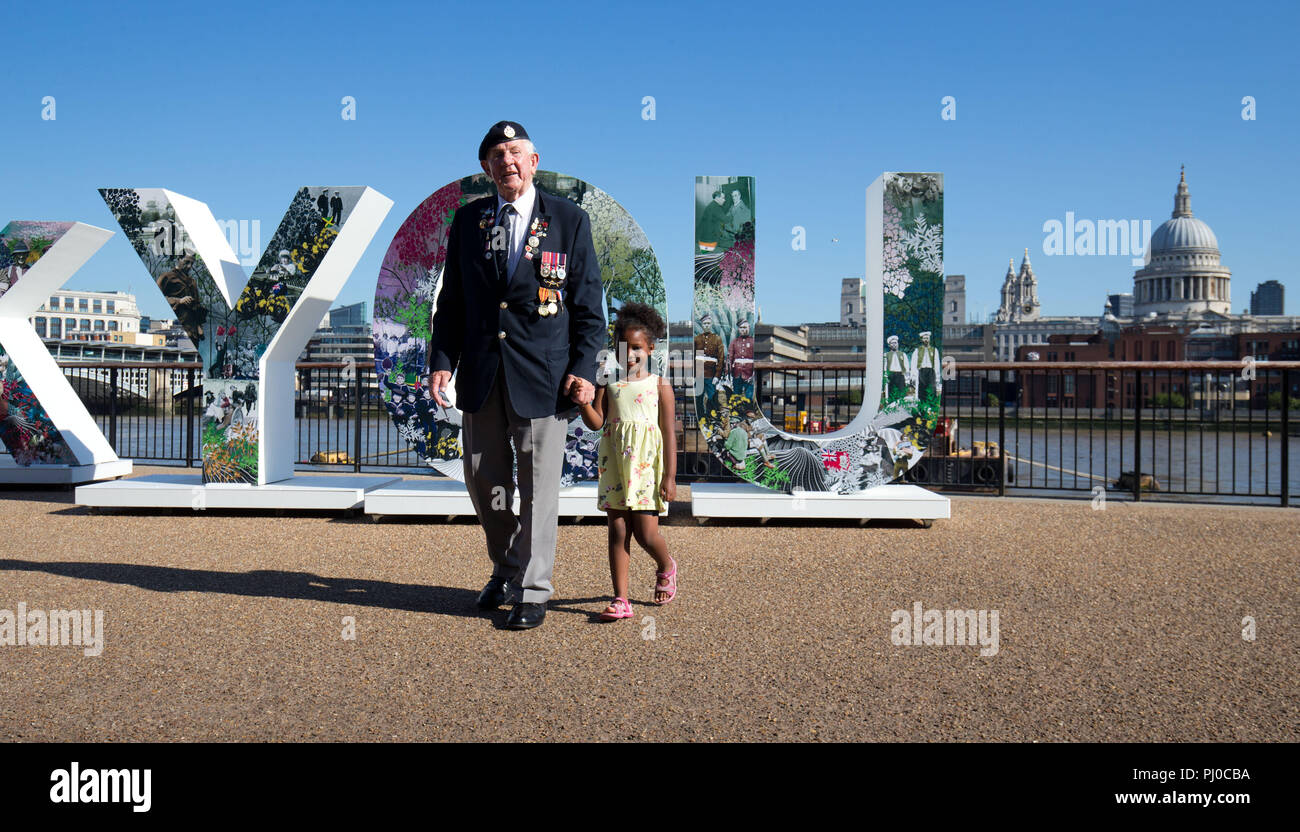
<point x="483" y="320"/>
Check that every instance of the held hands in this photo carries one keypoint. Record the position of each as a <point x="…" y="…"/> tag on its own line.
<point x="579" y="390"/>
<point x="438" y="382"/>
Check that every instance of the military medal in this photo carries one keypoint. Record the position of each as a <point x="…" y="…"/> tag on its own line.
<point x="536" y="233"/>
<point x="485" y="225"/>
<point x="551" y="277"/>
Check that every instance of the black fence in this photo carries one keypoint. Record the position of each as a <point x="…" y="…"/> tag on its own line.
<point x="1210" y="430"/>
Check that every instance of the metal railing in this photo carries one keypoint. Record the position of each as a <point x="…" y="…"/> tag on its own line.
<point x="1200" y="430"/>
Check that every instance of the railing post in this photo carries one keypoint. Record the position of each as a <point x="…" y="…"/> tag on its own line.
<point x="1286" y="438"/>
<point x="189" y="417"/>
<point x="1137" y="435"/>
<point x="112" y="408"/>
<point x="1002" y="431"/>
<point x="356" y="422"/>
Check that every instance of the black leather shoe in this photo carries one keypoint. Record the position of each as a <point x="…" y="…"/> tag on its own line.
<point x="493" y="595"/>
<point x="526" y="616"/>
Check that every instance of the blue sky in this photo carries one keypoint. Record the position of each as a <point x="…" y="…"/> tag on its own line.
<point x="1089" y="108"/>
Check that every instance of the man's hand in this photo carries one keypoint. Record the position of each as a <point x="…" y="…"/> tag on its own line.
<point x="579" y="389"/>
<point x="438" y="382"/>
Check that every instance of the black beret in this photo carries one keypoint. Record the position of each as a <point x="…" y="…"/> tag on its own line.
<point x="502" y="131"/>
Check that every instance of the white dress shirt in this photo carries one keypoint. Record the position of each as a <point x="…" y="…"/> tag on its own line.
<point x="524" y="207"/>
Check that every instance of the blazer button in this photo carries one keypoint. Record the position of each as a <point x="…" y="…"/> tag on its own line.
<point x="505" y="305"/>
<point x="502" y="335"/>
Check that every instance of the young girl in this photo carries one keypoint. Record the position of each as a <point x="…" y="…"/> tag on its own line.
<point x="637" y="456"/>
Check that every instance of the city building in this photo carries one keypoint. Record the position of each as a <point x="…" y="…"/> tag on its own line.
<point x="1163" y="388"/>
<point x="969" y="343"/>
<point x="853" y="302"/>
<point x="1019" y="294"/>
<point x="1268" y="299"/>
<point x="1019" y="321"/>
<point x="343" y="334"/>
<point x="1119" y="305"/>
<point x="69" y="314"/>
<point x="954" y="299"/>
<point x="1183" y="274"/>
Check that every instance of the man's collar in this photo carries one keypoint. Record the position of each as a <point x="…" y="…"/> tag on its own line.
<point x="526" y="200"/>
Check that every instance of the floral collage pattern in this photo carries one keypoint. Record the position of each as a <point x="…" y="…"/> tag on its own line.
<point x="25" y="428"/>
<point x="231" y="339"/>
<point x="885" y="445"/>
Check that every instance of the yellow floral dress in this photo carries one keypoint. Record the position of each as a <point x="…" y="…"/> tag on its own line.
<point x="631" y="453"/>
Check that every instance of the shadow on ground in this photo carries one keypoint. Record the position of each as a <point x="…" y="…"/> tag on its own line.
<point x="269" y="583"/>
<point x="266" y="583"/>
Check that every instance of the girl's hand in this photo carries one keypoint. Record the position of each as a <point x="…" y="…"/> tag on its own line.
<point x="668" y="490"/>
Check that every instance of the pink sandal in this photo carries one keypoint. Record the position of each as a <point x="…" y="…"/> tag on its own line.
<point x="621" y="609"/>
<point x="671" y="587"/>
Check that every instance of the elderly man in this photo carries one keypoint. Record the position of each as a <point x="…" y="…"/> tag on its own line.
<point x="519" y="319"/>
<point x="710" y="231"/>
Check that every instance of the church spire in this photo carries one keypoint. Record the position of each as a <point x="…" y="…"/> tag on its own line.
<point x="1026" y="266"/>
<point x="1182" y="200"/>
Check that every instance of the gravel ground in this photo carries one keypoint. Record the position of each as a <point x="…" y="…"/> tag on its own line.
<point x="1115" y="625"/>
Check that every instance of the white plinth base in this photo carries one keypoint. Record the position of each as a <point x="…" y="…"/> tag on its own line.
<point x="188" y="491"/>
<point x="12" y="472"/>
<point x="886" y="502"/>
<point x="448" y="498"/>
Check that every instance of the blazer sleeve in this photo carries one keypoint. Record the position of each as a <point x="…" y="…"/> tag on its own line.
<point x="587" y="335"/>
<point x="447" y="338"/>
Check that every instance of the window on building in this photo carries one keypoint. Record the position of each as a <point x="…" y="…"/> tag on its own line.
<point x="1069" y="386"/>
<point x="1169" y="350"/>
<point x="40" y="327"/>
<point x="54" y="303"/>
<point x="56" y="327"/>
<point x="69" y="324"/>
<point x="83" y="304"/>
<point x="112" y="326"/>
<point x="1137" y="350"/>
<point x="98" y="306"/>
<point x="67" y="304"/>
<point x="85" y="324"/>
<point x="110" y="306"/>
<point x="99" y="325"/>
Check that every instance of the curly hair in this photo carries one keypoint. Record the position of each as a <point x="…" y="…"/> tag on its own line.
<point x="639" y="316"/>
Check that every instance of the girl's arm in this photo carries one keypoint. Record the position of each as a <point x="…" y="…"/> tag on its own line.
<point x="593" y="415"/>
<point x="668" y="428"/>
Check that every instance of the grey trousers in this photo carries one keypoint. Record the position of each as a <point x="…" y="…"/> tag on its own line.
<point x="522" y="548"/>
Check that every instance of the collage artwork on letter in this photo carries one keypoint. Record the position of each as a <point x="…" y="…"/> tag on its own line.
<point x="25" y="428"/>
<point x="888" y="436"/>
<point x="231" y="340"/>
